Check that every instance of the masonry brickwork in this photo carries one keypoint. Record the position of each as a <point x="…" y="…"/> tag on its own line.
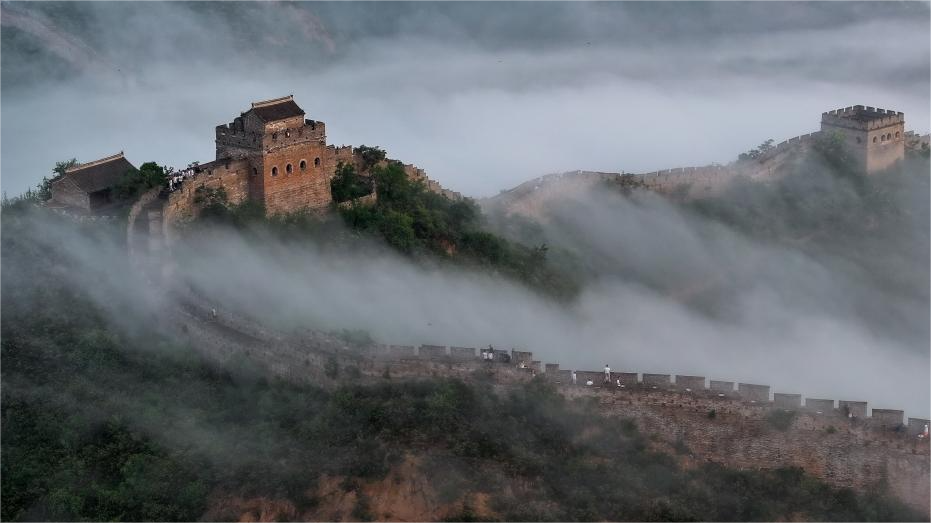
<point x="87" y="187"/>
<point x="857" y="452"/>
<point x="875" y="137"/>
<point x="290" y="163"/>
<point x="273" y="155"/>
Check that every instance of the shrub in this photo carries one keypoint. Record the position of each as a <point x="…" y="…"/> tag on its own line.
<point x="347" y="184"/>
<point x="137" y="181"/>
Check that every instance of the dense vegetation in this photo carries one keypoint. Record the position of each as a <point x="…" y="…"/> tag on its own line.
<point x="416" y="222"/>
<point x="137" y="181"/>
<point x="106" y="419"/>
<point x="413" y="219"/>
<point x="128" y="188"/>
<point x="348" y="185"/>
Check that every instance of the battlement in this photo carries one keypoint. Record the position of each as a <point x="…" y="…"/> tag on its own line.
<point x="656" y="383"/>
<point x="661" y="383"/>
<point x="714" y="420"/>
<point x="861" y="117"/>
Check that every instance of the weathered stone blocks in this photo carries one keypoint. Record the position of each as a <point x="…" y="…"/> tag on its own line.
<point x="819" y="405"/>
<point x="690" y="382"/>
<point x="856" y="409"/>
<point x="751" y="392"/>
<point x="657" y="380"/>
<point x="433" y="352"/>
<point x="462" y="353"/>
<point x="888" y="418"/>
<point x="722" y="386"/>
<point x="787" y="401"/>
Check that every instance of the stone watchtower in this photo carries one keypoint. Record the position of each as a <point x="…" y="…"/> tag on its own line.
<point x="289" y="164"/>
<point x="876" y="137"/>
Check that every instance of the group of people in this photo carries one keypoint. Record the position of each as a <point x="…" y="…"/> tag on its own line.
<point x="523" y="365"/>
<point x="175" y="178"/>
<point x="589" y="382"/>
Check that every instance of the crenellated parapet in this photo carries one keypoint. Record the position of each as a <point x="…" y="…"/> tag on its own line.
<point x="863" y="118"/>
<point x="700" y="386"/>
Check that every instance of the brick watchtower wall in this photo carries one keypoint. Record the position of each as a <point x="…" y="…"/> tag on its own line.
<point x="875" y="137"/>
<point x="294" y="170"/>
<point x="290" y="163"/>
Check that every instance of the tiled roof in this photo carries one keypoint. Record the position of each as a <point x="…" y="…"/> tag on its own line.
<point x="99" y="174"/>
<point x="277" y="109"/>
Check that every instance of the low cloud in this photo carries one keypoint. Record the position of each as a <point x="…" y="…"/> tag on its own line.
<point x="483" y="115"/>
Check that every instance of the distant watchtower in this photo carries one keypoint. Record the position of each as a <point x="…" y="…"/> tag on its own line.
<point x="289" y="164"/>
<point x="876" y="137"/>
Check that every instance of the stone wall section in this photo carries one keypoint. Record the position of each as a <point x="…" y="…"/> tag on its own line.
<point x="888" y="418"/>
<point x="822" y="406"/>
<point x="657" y="380"/>
<point x="844" y="451"/>
<point x="722" y="386"/>
<point x="787" y="401"/>
<point x="231" y="175"/>
<point x="856" y="409"/>
<point x="690" y="382"/>
<point x="754" y="393"/>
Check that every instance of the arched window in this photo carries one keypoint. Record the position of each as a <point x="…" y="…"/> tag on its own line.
<point x="303" y="165"/>
<point x="255" y="172"/>
<point x="274" y="136"/>
<point x="317" y="162"/>
<point x="889" y="136"/>
<point x="288" y="169"/>
<point x="274" y="171"/>
<point x="897" y="133"/>
<point x="874" y="139"/>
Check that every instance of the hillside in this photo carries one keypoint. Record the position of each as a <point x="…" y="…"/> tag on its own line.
<point x="231" y="445"/>
<point x="121" y="393"/>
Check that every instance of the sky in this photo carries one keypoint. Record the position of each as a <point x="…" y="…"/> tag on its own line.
<point x="482" y="96"/>
<point x="485" y="97"/>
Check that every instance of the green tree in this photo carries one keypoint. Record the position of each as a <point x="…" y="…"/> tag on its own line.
<point x="137" y="181"/>
<point x="370" y="156"/>
<point x="61" y="167"/>
<point x="758" y="152"/>
<point x="347" y="184"/>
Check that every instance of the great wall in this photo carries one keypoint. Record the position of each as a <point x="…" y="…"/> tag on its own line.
<point x="841" y="442"/>
<point x="876" y="138"/>
<point x="718" y="421"/>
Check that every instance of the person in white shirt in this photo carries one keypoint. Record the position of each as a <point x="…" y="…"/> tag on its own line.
<point x="607" y="373"/>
